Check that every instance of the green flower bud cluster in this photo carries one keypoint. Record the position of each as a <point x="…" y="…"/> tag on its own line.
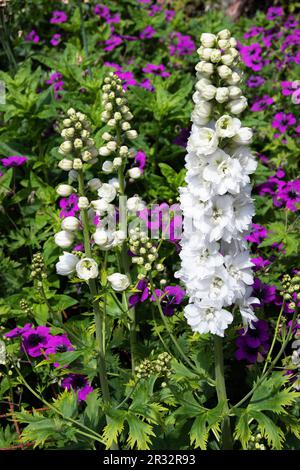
<point x="145" y="253"/>
<point x="160" y="366"/>
<point x="78" y="143"/>
<point x="117" y="116"/>
<point x="38" y="267"/>
<point x="291" y="286"/>
<point x="255" y="442"/>
<point x="25" y="307"/>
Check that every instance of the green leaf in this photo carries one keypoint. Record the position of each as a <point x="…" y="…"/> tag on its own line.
<point x="139" y="432"/>
<point x="208" y="420"/>
<point x="114" y="427"/>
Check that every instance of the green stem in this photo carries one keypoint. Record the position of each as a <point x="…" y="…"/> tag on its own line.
<point x="177" y="346"/>
<point x="268" y="359"/>
<point x="84" y="38"/>
<point x="221" y="392"/>
<point x="126" y="267"/>
<point x="99" y="317"/>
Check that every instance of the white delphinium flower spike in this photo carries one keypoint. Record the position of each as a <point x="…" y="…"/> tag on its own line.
<point x="217" y="204"/>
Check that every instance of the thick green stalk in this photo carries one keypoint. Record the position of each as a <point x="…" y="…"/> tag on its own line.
<point x="221" y="392"/>
<point x="99" y="317"/>
<point x="126" y="268"/>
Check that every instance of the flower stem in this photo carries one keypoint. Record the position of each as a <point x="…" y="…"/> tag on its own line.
<point x="221" y="392"/>
<point x="99" y="317"/>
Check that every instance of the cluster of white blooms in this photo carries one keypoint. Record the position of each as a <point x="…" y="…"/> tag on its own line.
<point x="216" y="203"/>
<point x="117" y="117"/>
<point x="78" y="147"/>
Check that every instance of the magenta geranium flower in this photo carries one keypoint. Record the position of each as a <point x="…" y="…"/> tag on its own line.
<point x="169" y="15"/>
<point x="14" y="333"/>
<point x="156" y="70"/>
<point x="260" y="263"/>
<point x="79" y="383"/>
<point x="288" y="88"/>
<point x="262" y="104"/>
<point x="69" y="206"/>
<point x="58" y="16"/>
<point x="181" y="44"/>
<point x="14" y="160"/>
<point x="146" y="83"/>
<point x="253" y="32"/>
<point x="257" y="235"/>
<point x="252" y="342"/>
<point x="255" y="81"/>
<point x="113" y="42"/>
<point x="169" y="298"/>
<point x="36" y="340"/>
<point x="55" y="40"/>
<point x="147" y="33"/>
<point x="273" y="13"/>
<point x="282" y="121"/>
<point x="32" y="37"/>
<point x="264" y="292"/>
<point x="140" y="296"/>
<point x="104" y="12"/>
<point x="140" y="160"/>
<point x="288" y="195"/>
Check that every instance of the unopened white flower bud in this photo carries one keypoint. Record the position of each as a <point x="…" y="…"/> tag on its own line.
<point x="100" y="237"/>
<point x="208" y="39"/>
<point x="112" y="145"/>
<point x="107" y="136"/>
<point x="224" y="34"/>
<point x="107" y="167"/>
<point x="115" y="183"/>
<point x="206" y="53"/>
<point x="117" y="162"/>
<point x="227" y="59"/>
<point x="104" y="151"/>
<point x="105" y="116"/>
<point x="135" y="172"/>
<point x="70" y="224"/>
<point x="65" y="148"/>
<point x="94" y="184"/>
<point x="223" y="44"/>
<point x="224" y="71"/>
<point x="243" y="136"/>
<point x="83" y="202"/>
<point x="234" y="92"/>
<point x="222" y="94"/>
<point x="233" y="42"/>
<point x="64" y="190"/>
<point x="131" y="135"/>
<point x="112" y="123"/>
<point x="65" y="164"/>
<point x="71" y="112"/>
<point x="77" y="164"/>
<point x="119" y="282"/>
<point x="108" y="106"/>
<point x="64" y="239"/>
<point x="68" y="133"/>
<point x="107" y="192"/>
<point x="87" y="268"/>
<point x="215" y="56"/>
<point x="128" y="116"/>
<point x="85" y="134"/>
<point x="78" y="144"/>
<point x="86" y="156"/>
<point x="159" y="267"/>
<point x="234" y="79"/>
<point x="208" y="92"/>
<point x="67" y="122"/>
<point x="206" y="68"/>
<point x="118" y="116"/>
<point x="234" y="52"/>
<point x="125" y="126"/>
<point x="123" y="151"/>
<point x="238" y="106"/>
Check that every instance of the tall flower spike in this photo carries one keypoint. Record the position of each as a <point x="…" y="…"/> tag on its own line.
<point x="216" y="203"/>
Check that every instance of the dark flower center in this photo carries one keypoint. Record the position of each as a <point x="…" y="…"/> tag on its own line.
<point x="292" y="194"/>
<point x="61" y="348"/>
<point x="78" y="382"/>
<point x="35" y="339"/>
